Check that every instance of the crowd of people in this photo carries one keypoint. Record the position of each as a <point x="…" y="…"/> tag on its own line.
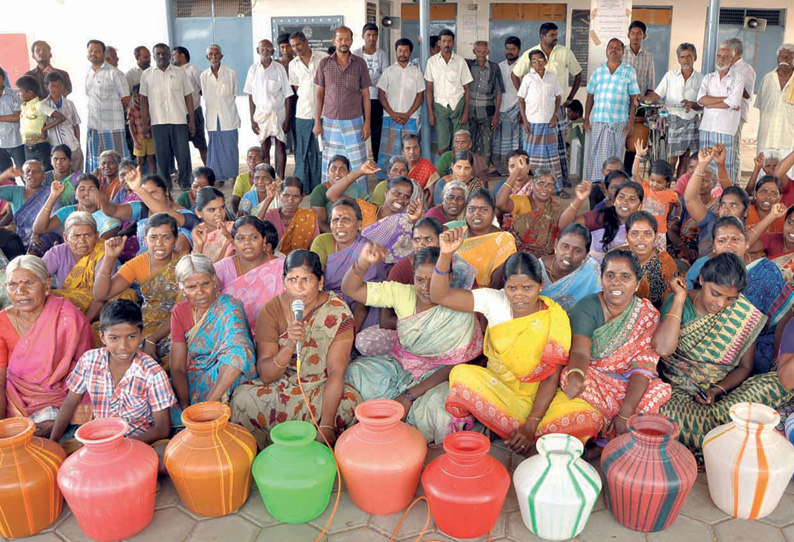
<point x="667" y="288"/>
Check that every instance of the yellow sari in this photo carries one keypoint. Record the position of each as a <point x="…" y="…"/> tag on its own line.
<point x="487" y="252"/>
<point x="78" y="287"/>
<point x="521" y="353"/>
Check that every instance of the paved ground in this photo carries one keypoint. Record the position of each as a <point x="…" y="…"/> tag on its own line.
<point x="700" y="521"/>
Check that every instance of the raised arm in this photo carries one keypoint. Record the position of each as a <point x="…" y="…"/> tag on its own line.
<point x="720" y="157"/>
<point x="105" y="286"/>
<point x="570" y="214"/>
<point x="696" y="209"/>
<point x="337" y="190"/>
<point x="45" y="223"/>
<point x="503" y="201"/>
<point x="758" y="164"/>
<point x="781" y="170"/>
<point x="121" y="211"/>
<point x="755" y="231"/>
<point x="440" y="291"/>
<point x="665" y="339"/>
<point x="641" y="151"/>
<point x="155" y="206"/>
<point x="353" y="284"/>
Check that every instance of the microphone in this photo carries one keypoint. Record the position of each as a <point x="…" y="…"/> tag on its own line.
<point x="297" y="311"/>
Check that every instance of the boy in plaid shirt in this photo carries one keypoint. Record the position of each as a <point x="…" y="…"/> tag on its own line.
<point x="143" y="146"/>
<point x="120" y="379"/>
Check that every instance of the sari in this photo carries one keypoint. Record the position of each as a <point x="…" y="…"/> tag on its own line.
<point x="337" y="265"/>
<point x="769" y="292"/>
<point x="536" y="232"/>
<point x="598" y="250"/>
<point x="218" y="246"/>
<point x="78" y="286"/>
<point x="709" y="348"/>
<point x="654" y="277"/>
<point x="44" y="357"/>
<point x="259" y="407"/>
<point x="254" y="288"/>
<point x="487" y="252"/>
<point x="26" y="214"/>
<point x="220" y="337"/>
<point x="568" y="290"/>
<point x="426" y="341"/>
<point x="785" y="263"/>
<point x="394" y="234"/>
<point x="423" y="171"/>
<point x="521" y="353"/>
<point x="160" y="293"/>
<point x="299" y="233"/>
<point x="251" y="205"/>
<point x="621" y="348"/>
<point x="140" y="225"/>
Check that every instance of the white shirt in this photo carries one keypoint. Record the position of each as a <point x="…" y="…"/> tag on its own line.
<point x="376" y="63"/>
<point x="776" y="121"/>
<point x="747" y="73"/>
<point x="673" y="89"/>
<point x="194" y="76"/>
<point x="722" y="121"/>
<point x="134" y="76"/>
<point x="301" y="76"/>
<point x="219" y="98"/>
<point x="268" y="87"/>
<point x="539" y="95"/>
<point x="448" y="78"/>
<point x="105" y="88"/>
<point x="510" y="95"/>
<point x="166" y="91"/>
<point x="401" y="86"/>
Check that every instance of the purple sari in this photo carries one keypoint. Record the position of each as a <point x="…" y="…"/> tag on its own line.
<point x="26" y="215"/>
<point x="394" y="234"/>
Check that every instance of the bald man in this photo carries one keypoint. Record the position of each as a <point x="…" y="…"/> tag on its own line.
<point x="219" y="88"/>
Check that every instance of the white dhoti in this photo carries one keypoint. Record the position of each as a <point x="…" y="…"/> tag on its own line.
<point x="270" y="123"/>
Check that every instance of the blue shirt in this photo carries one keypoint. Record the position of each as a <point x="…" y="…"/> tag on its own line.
<point x="612" y="93"/>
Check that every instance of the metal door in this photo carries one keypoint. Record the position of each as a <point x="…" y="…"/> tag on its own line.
<point x="410" y="30"/>
<point x="527" y="31"/>
<point x="759" y="46"/>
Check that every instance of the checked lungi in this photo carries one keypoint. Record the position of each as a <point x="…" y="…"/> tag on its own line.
<point x="223" y="155"/>
<point x="99" y="141"/>
<point x="682" y="135"/>
<point x="541" y="146"/>
<point x="506" y="138"/>
<point x="344" y="137"/>
<point x="709" y="139"/>
<point x="606" y="140"/>
<point x="391" y="141"/>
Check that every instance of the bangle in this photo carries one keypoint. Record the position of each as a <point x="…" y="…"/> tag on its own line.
<point x="148" y="340"/>
<point x="724" y="392"/>
<point x="533" y="416"/>
<point x="574" y="207"/>
<point x="277" y="364"/>
<point x="622" y="417"/>
<point x="674" y="316"/>
<point x="331" y="427"/>
<point x="439" y="271"/>
<point x="576" y="370"/>
<point x="410" y="396"/>
<point x="698" y="174"/>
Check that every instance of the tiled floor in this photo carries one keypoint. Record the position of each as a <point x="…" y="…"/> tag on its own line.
<point x="700" y="521"/>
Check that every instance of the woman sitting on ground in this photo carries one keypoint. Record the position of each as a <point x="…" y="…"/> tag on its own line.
<point x="613" y="364"/>
<point x="296" y="227"/>
<point x="707" y="343"/>
<point x="779" y="247"/>
<point x="108" y="173"/>
<point x="453" y="203"/>
<point x="256" y="201"/>
<point x="517" y="394"/>
<point x="155" y="273"/>
<point x="211" y="346"/>
<point x="202" y="177"/>
<point x="86" y="191"/>
<point x="570" y="273"/>
<point x="338" y="169"/>
<point x="326" y="337"/>
<point x="126" y="195"/>
<point x="213" y="237"/>
<point x="254" y="275"/>
<point x="431" y="339"/>
<point x="61" y="161"/>
<point x="41" y="338"/>
<point x="397" y="167"/>
<point x="657" y="267"/>
<point x="462" y="171"/>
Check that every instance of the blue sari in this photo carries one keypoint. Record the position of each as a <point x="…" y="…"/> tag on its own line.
<point x="568" y="290"/>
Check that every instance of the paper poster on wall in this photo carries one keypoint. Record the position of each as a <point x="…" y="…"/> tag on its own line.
<point x="608" y="19"/>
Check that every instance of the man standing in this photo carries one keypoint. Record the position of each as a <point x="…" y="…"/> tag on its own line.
<point x="143" y="59"/>
<point x="400" y="91"/>
<point x="108" y="96"/>
<point x="342" y="115"/>
<point x="219" y="87"/>
<point x="776" y="123"/>
<point x="448" y="79"/>
<point x="640" y="58"/>
<point x="745" y="71"/>
<point x="679" y="91"/>
<point x="167" y="114"/>
<point x="42" y="54"/>
<point x="561" y="61"/>
<point x="507" y="136"/>
<point x="377" y="61"/>
<point x="720" y="95"/>
<point x="486" y="92"/>
<point x="180" y="57"/>
<point x="112" y="56"/>
<point x="284" y="50"/>
<point x="303" y="68"/>
<point x="268" y="92"/>
<point x="286" y="56"/>
<point x="612" y="94"/>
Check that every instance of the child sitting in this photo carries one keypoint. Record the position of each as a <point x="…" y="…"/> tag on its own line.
<point x="659" y="197"/>
<point x="143" y="147"/>
<point x="120" y="379"/>
<point x="68" y="132"/>
<point x="32" y="118"/>
<point x="243" y="183"/>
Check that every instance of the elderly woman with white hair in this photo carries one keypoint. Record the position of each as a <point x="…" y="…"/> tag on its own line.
<point x="41" y="338"/>
<point x="108" y="173"/>
<point x="211" y="346"/>
<point x="453" y="203"/>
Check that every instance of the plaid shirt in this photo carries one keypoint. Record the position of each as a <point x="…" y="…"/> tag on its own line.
<point x="105" y="88"/>
<point x="612" y="93"/>
<point x="343" y="87"/>
<point x="642" y="63"/>
<point x="143" y="390"/>
<point x="487" y="83"/>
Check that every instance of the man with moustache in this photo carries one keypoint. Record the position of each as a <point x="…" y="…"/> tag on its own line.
<point x="143" y="59"/>
<point x="486" y="91"/>
<point x="612" y="95"/>
<point x="267" y="86"/>
<point x="562" y="62"/>
<point x="401" y="89"/>
<point x="167" y="114"/>
<point x="507" y="136"/>
<point x="377" y="61"/>
<point x="219" y="87"/>
<point x="108" y="97"/>
<point x="720" y="95"/>
<point x="180" y="57"/>
<point x="342" y="116"/>
<point x="775" y="102"/>
<point x="42" y="54"/>
<point x="678" y="90"/>
<point x="303" y="68"/>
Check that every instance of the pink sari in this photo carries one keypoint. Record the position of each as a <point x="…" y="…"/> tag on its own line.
<point x="255" y="288"/>
<point x="218" y="246"/>
<point x="44" y="357"/>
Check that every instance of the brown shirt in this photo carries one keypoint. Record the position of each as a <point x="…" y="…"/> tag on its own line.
<point x="343" y="87"/>
<point x="39" y="75"/>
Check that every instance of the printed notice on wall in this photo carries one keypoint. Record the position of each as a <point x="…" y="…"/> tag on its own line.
<point x="608" y="19"/>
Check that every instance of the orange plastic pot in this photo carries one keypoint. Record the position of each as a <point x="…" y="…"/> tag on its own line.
<point x="381" y="458"/>
<point x="210" y="461"/>
<point x="29" y="496"/>
<point x="110" y="482"/>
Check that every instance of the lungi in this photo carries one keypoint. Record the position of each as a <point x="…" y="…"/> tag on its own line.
<point x="391" y="141"/>
<point x="99" y="141"/>
<point x="542" y="148"/>
<point x="682" y="135"/>
<point x="606" y="140"/>
<point x="223" y="155"/>
<point x="709" y="139"/>
<point x="506" y="138"/>
<point x="344" y="137"/>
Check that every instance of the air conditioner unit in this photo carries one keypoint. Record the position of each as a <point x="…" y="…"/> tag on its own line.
<point x="754" y="23"/>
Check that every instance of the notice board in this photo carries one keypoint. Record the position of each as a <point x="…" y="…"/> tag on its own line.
<point x="319" y="31"/>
